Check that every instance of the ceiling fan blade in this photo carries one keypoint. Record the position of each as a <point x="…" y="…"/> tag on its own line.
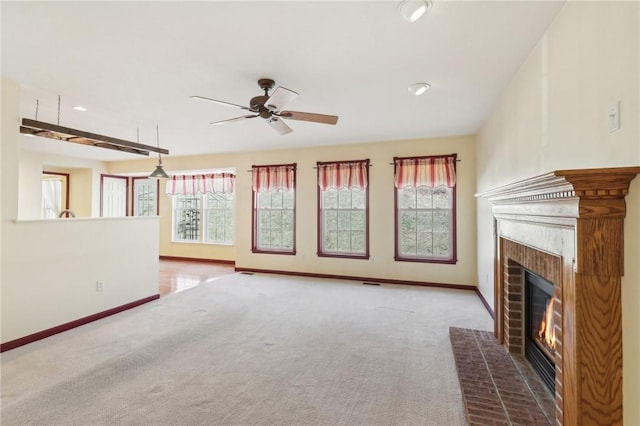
<point x="231" y="120"/>
<point x="309" y="116"/>
<point x="202" y="98"/>
<point x="279" y="98"/>
<point x="279" y="126"/>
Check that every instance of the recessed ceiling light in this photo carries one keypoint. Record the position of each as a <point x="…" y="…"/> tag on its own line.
<point x="79" y="108"/>
<point x="412" y="10"/>
<point x="419" y="88"/>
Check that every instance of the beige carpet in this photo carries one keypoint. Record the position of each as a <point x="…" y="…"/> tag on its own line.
<point x="252" y="350"/>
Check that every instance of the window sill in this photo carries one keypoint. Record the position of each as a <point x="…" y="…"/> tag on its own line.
<point x="345" y="255"/>
<point x="426" y="260"/>
<point x="202" y="243"/>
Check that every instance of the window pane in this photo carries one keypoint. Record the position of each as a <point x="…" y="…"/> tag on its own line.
<point x="424" y="197"/>
<point x="51" y="197"/>
<point x="330" y="199"/>
<point x="187" y="218"/>
<point x="442" y="198"/>
<point x="425" y="223"/>
<point x="219" y="210"/>
<point x="406" y="198"/>
<point x="344" y="199"/>
<point x="275" y="220"/>
<point x="145" y="197"/>
<point x="331" y="240"/>
<point x="358" y="199"/>
<point x="330" y="220"/>
<point x="344" y="222"/>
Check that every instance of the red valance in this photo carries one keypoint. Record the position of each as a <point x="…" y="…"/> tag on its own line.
<point x="425" y="171"/>
<point x="270" y="178"/>
<point x="338" y="175"/>
<point x="201" y="183"/>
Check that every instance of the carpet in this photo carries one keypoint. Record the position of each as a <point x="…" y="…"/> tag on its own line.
<point x="252" y="350"/>
<point x="494" y="390"/>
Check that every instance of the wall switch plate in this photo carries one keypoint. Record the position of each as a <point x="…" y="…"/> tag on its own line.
<point x="99" y="285"/>
<point x="614" y="116"/>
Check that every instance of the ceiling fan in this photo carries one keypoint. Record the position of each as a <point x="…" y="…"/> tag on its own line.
<point x="269" y="107"/>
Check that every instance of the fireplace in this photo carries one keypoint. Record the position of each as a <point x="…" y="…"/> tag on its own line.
<point x="540" y="341"/>
<point x="565" y="229"/>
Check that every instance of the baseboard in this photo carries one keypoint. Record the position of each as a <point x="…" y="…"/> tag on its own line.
<point x="197" y="259"/>
<point x="352" y="278"/>
<point x="485" y="303"/>
<point x="73" y="324"/>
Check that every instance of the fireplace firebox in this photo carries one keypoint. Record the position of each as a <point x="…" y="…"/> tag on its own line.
<point x="540" y="340"/>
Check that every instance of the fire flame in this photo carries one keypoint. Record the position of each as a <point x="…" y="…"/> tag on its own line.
<point x="547" y="332"/>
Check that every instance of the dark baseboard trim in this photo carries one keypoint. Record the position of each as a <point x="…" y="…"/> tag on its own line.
<point x="485" y="303"/>
<point x="73" y="324"/>
<point x="196" y="259"/>
<point x="367" y="279"/>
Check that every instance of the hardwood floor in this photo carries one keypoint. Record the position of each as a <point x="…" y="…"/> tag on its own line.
<point x="179" y="275"/>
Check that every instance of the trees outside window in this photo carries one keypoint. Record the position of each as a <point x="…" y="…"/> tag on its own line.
<point x="274" y="209"/>
<point x="343" y="209"/>
<point x="425" y="213"/>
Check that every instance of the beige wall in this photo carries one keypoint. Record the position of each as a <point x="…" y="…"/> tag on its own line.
<point x="553" y="116"/>
<point x="381" y="263"/>
<point x="49" y="268"/>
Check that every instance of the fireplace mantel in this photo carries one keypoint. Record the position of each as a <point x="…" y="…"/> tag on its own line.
<point x="568" y="226"/>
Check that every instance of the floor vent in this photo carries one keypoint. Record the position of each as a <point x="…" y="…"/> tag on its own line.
<point x="368" y="283"/>
<point x="246" y="273"/>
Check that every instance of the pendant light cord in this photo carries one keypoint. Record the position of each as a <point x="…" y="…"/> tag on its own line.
<point x="158" y="142"/>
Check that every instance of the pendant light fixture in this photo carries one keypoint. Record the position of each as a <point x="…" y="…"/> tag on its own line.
<point x="159" y="172"/>
<point x="412" y="10"/>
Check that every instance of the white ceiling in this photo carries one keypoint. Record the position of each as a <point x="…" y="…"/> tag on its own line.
<point x="134" y="65"/>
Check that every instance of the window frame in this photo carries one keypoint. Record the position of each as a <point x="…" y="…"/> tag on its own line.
<point x="398" y="257"/>
<point x="205" y="222"/>
<point x="202" y="209"/>
<point x="133" y="194"/>
<point x="65" y="178"/>
<point x="254" y="215"/>
<point x="319" y="236"/>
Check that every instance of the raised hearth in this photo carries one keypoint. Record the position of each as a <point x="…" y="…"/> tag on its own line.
<point x="567" y="227"/>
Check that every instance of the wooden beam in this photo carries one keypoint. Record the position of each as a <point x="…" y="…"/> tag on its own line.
<point x="53" y="131"/>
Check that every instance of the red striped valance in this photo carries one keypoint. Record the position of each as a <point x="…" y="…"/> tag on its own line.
<point x="201" y="183"/>
<point x="273" y="178"/>
<point x="425" y="171"/>
<point x="343" y="174"/>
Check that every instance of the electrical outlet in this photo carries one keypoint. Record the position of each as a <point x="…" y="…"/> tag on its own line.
<point x="99" y="285"/>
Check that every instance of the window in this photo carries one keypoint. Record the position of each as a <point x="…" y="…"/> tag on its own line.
<point x="145" y="196"/>
<point x="219" y="218"/>
<point x="425" y="199"/>
<point x="343" y="213"/>
<point x="113" y="195"/>
<point x="203" y="207"/>
<point x="274" y="202"/>
<point x="55" y="194"/>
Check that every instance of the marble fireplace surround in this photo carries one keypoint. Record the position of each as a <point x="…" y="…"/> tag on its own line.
<point x="567" y="226"/>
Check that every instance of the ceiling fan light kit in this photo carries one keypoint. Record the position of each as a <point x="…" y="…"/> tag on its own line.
<point x="412" y="10"/>
<point x="269" y="108"/>
<point x="419" y="88"/>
